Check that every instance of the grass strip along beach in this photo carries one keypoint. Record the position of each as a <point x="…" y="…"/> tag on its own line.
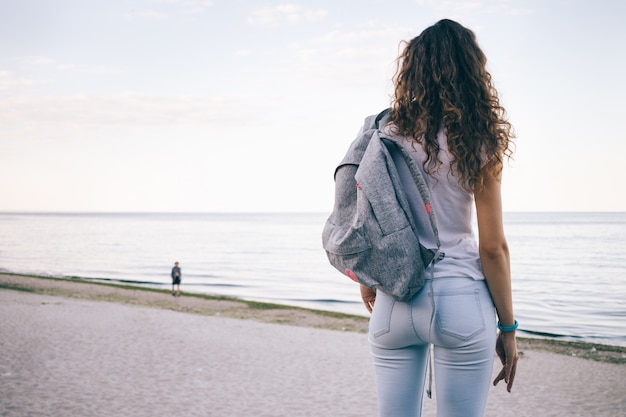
<point x="78" y="347"/>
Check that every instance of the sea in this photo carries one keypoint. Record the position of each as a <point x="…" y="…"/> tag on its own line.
<point x="568" y="269"/>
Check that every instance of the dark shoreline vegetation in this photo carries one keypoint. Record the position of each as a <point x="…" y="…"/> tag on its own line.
<point x="213" y="305"/>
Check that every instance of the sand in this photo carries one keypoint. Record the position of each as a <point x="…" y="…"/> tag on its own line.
<point x="69" y="356"/>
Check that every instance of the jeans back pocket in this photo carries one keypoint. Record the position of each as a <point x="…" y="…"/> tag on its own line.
<point x="459" y="313"/>
<point x="380" y="322"/>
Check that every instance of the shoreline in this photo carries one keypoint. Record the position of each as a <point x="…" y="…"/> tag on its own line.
<point x="209" y="305"/>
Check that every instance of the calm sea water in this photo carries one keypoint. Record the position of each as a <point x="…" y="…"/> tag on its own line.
<point x="569" y="269"/>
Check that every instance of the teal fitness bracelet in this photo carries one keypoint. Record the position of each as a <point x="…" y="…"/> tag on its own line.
<point x="508" y="329"/>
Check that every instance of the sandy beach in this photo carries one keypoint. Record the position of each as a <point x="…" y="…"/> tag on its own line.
<point x="80" y="349"/>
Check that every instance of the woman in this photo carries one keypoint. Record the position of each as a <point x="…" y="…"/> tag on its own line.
<point x="446" y="113"/>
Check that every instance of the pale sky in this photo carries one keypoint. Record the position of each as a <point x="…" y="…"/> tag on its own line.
<point x="242" y="105"/>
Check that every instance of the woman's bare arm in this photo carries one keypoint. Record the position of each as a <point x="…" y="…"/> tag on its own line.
<point x="496" y="264"/>
<point x="494" y="250"/>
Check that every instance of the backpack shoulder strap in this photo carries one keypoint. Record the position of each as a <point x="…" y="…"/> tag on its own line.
<point x="423" y="190"/>
<point x="358" y="146"/>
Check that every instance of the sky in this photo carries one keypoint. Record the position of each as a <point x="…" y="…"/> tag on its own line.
<point x="248" y="106"/>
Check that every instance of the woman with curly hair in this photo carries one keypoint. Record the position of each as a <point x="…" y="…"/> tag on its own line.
<point x="447" y="115"/>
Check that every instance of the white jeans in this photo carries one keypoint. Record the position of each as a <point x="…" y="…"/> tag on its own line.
<point x="457" y="316"/>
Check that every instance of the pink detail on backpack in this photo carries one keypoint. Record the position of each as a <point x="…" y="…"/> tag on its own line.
<point x="350" y="273"/>
<point x="358" y="186"/>
<point x="427" y="208"/>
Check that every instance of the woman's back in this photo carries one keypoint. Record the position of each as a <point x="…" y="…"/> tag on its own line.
<point x="452" y="205"/>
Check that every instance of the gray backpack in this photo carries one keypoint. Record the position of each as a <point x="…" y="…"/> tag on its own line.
<point x="371" y="236"/>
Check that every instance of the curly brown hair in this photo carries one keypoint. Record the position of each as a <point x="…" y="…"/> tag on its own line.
<point x="442" y="79"/>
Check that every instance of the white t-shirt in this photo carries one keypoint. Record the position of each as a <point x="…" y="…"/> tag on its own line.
<point x="453" y="207"/>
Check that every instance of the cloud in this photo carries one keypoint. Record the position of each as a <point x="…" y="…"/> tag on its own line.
<point x="195" y="6"/>
<point x="240" y="53"/>
<point x="9" y="81"/>
<point x="365" y="35"/>
<point x="188" y="6"/>
<point x="168" y="8"/>
<point x="35" y="60"/>
<point x="463" y="7"/>
<point x="145" y="14"/>
<point x="284" y="13"/>
<point x="350" y="58"/>
<point x="130" y="109"/>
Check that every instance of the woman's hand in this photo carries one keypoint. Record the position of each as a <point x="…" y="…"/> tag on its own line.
<point x="506" y="348"/>
<point x="369" y="297"/>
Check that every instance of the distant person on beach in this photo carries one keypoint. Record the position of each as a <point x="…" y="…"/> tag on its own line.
<point x="176" y="277"/>
<point x="447" y="116"/>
